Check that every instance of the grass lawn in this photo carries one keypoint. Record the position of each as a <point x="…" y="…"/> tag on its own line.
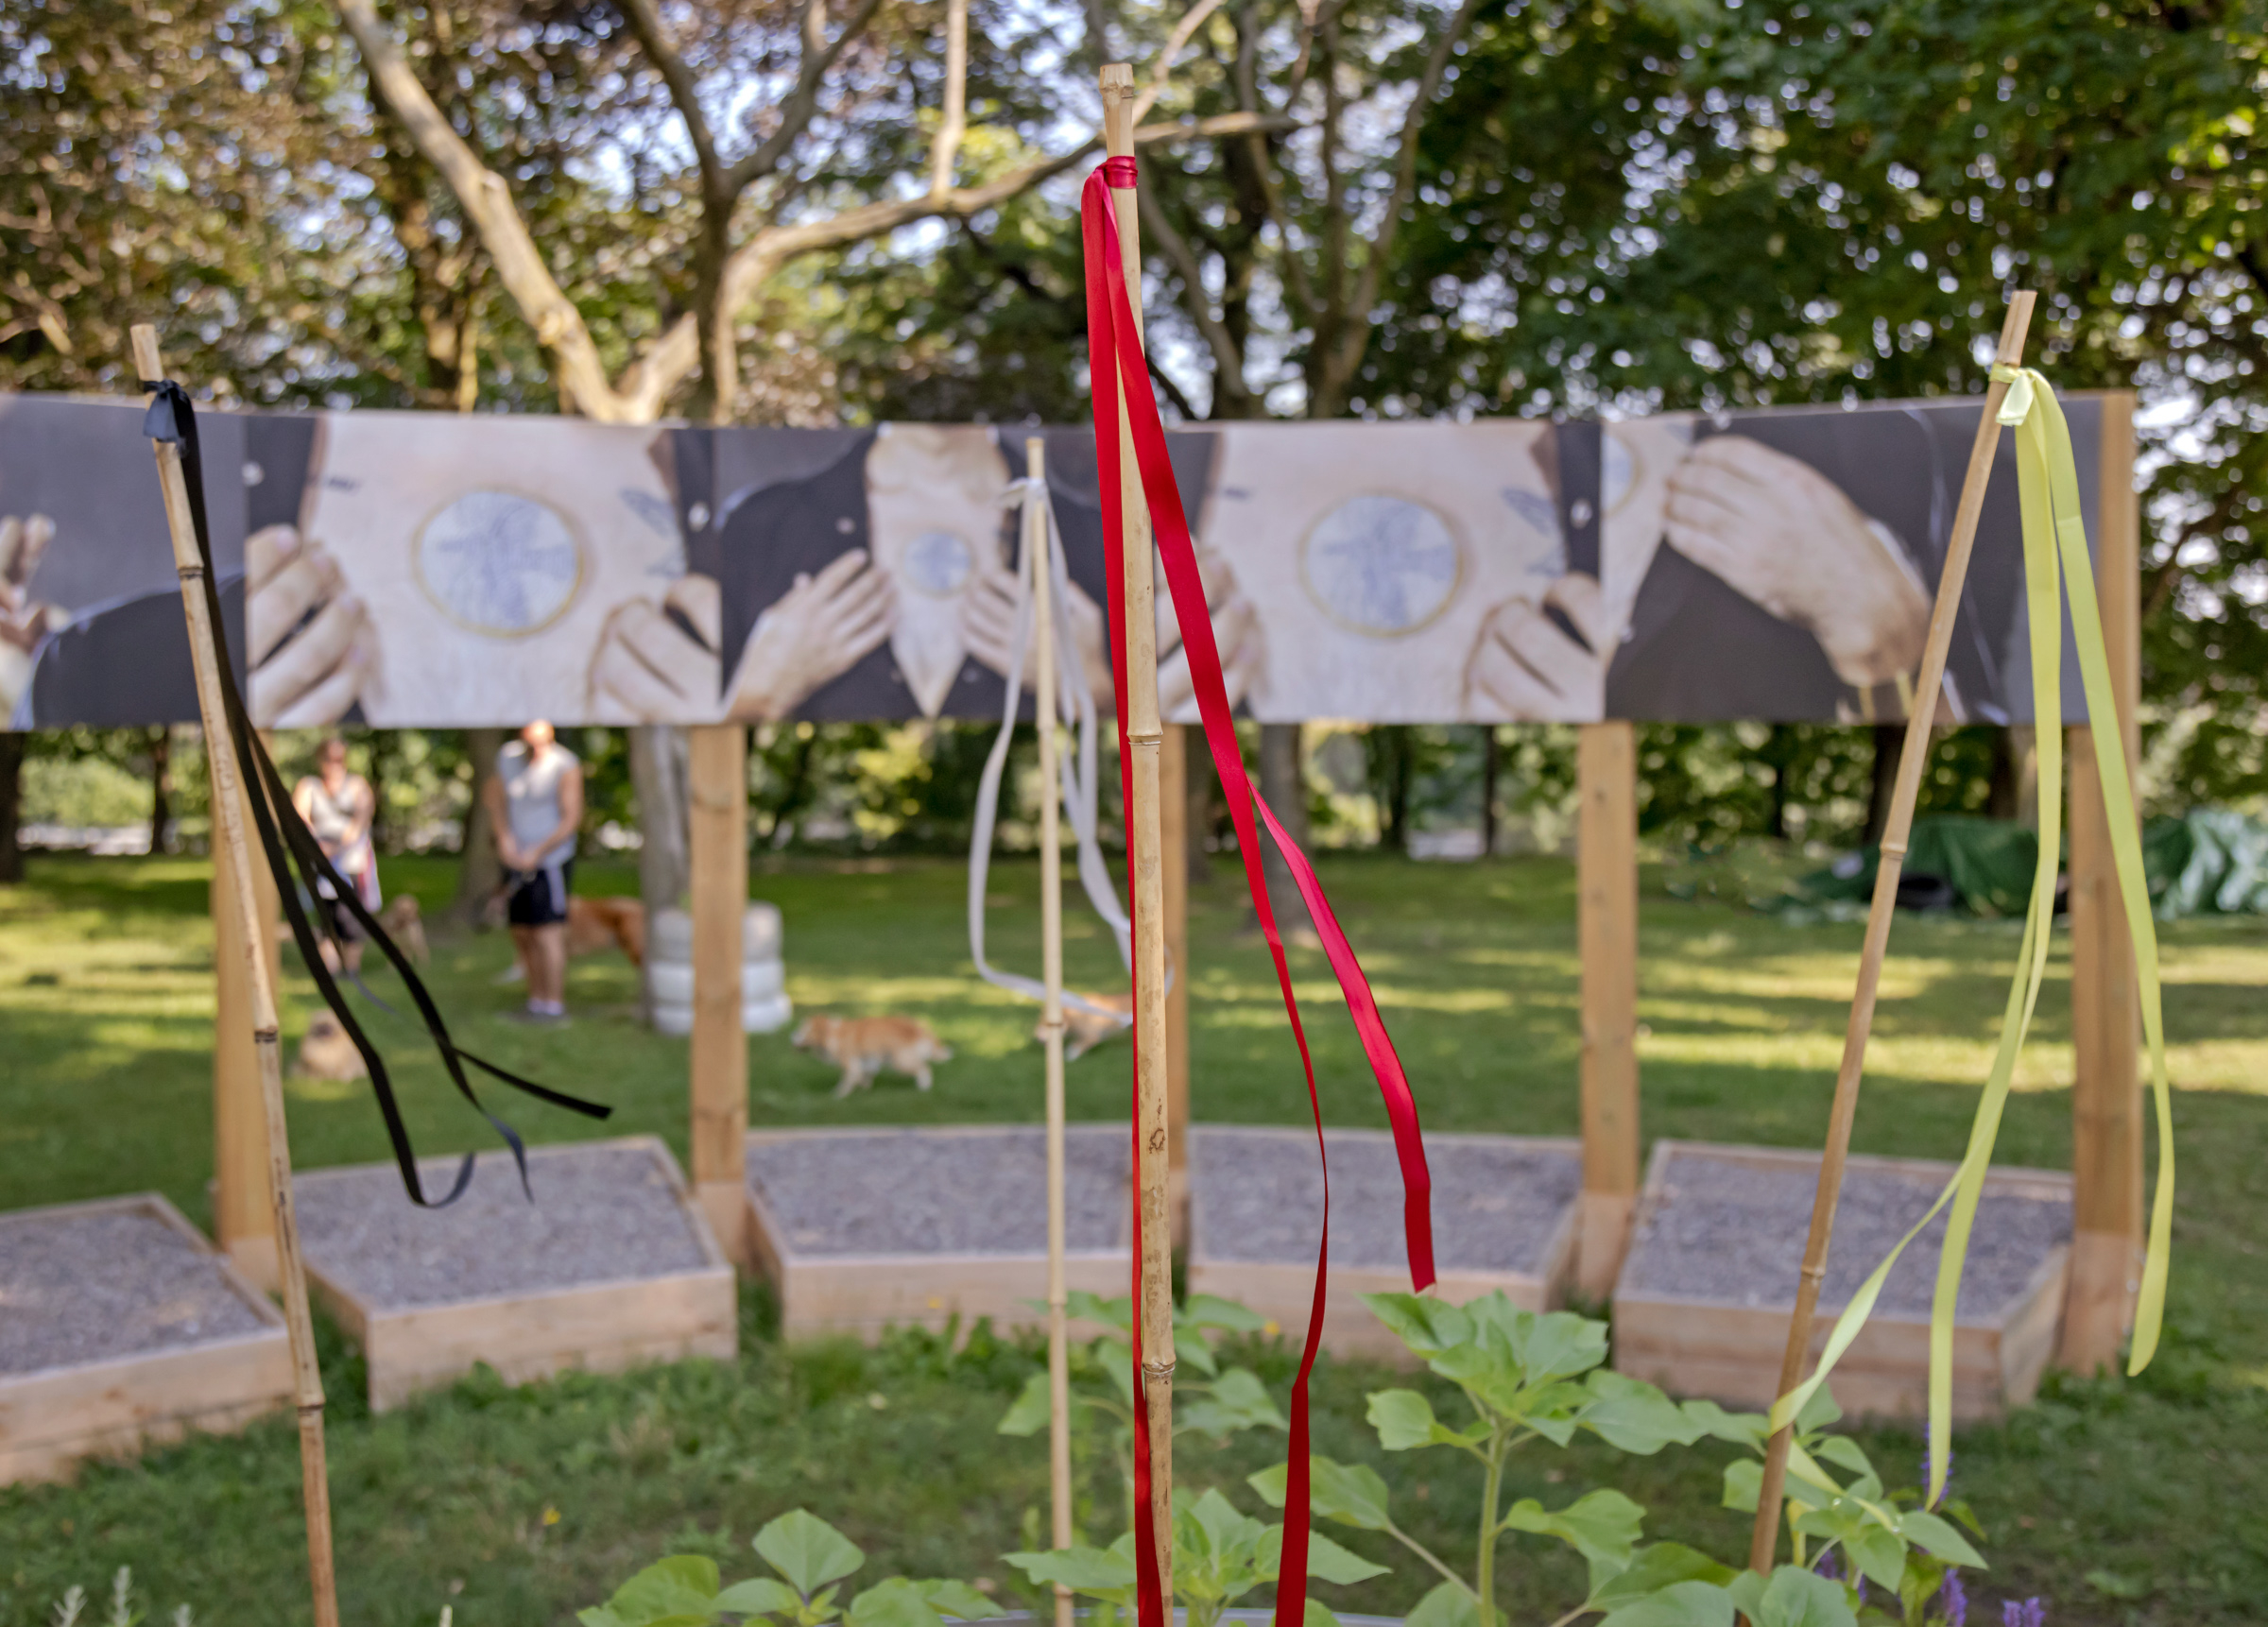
<point x="2118" y="1501"/>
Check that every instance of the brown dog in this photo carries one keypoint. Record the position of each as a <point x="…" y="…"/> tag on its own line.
<point x="405" y="925"/>
<point x="1086" y="1030"/>
<point x="865" y="1045"/>
<point x="594" y="925"/>
<point x="326" y="1053"/>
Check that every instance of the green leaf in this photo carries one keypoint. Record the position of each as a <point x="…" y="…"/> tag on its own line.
<point x="1844" y="1452"/>
<point x="1744" y="1485"/>
<point x="1447" y="1605"/>
<point x="950" y="1598"/>
<point x="1095" y="1571"/>
<point x="758" y="1595"/>
<point x="1081" y="1305"/>
<point x="1028" y="1413"/>
<point x="1560" y="1345"/>
<point x="1741" y="1428"/>
<point x="1317" y="1614"/>
<point x="1488" y="1368"/>
<point x="1793" y="1598"/>
<point x="893" y="1603"/>
<point x="1191" y="1351"/>
<point x="682" y="1584"/>
<point x="1679" y="1604"/>
<point x="1633" y="1414"/>
<point x="599" y="1616"/>
<point x="1428" y="1327"/>
<point x="1236" y="1400"/>
<point x="1879" y="1554"/>
<point x="1603" y="1526"/>
<point x="1817" y="1413"/>
<point x="1349" y="1494"/>
<point x="1404" y="1420"/>
<point x="807" y="1551"/>
<point x="1938" y="1538"/>
<point x="1328" y="1561"/>
<point x="1653" y="1569"/>
<point x="1211" y="1311"/>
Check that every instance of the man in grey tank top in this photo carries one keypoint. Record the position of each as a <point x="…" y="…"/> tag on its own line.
<point x="535" y="802"/>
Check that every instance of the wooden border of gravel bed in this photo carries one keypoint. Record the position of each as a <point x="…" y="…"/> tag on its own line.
<point x="863" y="1290"/>
<point x="604" y="1324"/>
<point x="53" y="1417"/>
<point x="1695" y="1344"/>
<point x="1365" y="1246"/>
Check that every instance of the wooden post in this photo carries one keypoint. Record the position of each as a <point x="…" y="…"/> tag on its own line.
<point x="1606" y="915"/>
<point x="229" y="813"/>
<point x="1912" y="759"/>
<point x="1173" y="847"/>
<point x="244" y="1219"/>
<point x="718" y="772"/>
<point x="1051" y="1011"/>
<point x="1146" y="744"/>
<point x="2106" y="1088"/>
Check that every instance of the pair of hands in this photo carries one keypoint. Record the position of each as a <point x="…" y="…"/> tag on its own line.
<point x="1772" y="527"/>
<point x="989" y="622"/>
<point x="647" y="669"/>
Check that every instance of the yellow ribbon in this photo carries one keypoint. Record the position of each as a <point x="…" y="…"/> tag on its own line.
<point x="2055" y="559"/>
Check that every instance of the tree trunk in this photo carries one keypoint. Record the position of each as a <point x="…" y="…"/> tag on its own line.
<point x="161" y="789"/>
<point x="1489" y="762"/>
<point x="1888" y="737"/>
<point x="1779" y="752"/>
<point x="11" y="790"/>
<point x="479" y="871"/>
<point x="1199" y="822"/>
<point x="659" y="764"/>
<point x="2013" y="791"/>
<point x="1284" y="788"/>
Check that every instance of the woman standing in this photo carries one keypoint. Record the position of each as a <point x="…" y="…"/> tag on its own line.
<point x="339" y="806"/>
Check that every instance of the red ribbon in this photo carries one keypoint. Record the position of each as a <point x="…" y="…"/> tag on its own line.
<point x="1114" y="346"/>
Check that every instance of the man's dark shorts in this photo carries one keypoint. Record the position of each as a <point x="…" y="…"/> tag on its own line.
<point x="539" y="898"/>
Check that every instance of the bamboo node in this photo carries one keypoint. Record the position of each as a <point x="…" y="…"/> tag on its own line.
<point x="1158" y="1369"/>
<point x="1145" y="737"/>
<point x="189" y="572"/>
<point x="264" y="1036"/>
<point x="1893" y="850"/>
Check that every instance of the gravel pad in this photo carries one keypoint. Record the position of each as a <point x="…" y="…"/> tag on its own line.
<point x="1734" y="1232"/>
<point x="1498" y="1203"/>
<point x="601" y="1214"/>
<point x="911" y="1191"/>
<point x="93" y="1286"/>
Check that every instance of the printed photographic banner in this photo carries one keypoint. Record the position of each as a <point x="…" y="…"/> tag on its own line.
<point x="432" y="570"/>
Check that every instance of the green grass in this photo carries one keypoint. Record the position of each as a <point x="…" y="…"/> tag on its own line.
<point x="517" y="1505"/>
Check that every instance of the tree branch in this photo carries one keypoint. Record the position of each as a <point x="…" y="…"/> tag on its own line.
<point x="954" y="122"/>
<point x="802" y="103"/>
<point x="1228" y="365"/>
<point x="487" y="203"/>
<point x="645" y="22"/>
<point x="1164" y="65"/>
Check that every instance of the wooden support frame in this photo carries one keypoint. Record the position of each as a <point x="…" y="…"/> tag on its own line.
<point x="244" y="1219"/>
<point x="717" y="775"/>
<point x="2106" y="1088"/>
<point x="1607" y="935"/>
<point x="1173" y="850"/>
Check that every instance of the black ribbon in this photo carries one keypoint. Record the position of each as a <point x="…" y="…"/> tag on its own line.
<point x="284" y="837"/>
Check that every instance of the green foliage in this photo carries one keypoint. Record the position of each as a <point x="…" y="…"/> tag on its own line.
<point x="809" y="1555"/>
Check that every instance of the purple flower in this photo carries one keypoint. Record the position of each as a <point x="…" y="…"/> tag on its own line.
<point x="2030" y="1612"/>
<point x="1828" y="1566"/>
<point x="1952" y="1600"/>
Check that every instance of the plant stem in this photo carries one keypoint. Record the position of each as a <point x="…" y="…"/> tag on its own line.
<point x="1485" y="1564"/>
<point x="1427" y="1554"/>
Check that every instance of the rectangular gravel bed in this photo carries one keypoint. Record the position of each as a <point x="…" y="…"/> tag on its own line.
<point x="865" y="1230"/>
<point x="612" y="1264"/>
<point x="120" y="1325"/>
<point x="1503" y="1210"/>
<point x="1705" y="1294"/>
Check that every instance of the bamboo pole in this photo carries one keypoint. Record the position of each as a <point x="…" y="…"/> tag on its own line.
<point x="1036" y="554"/>
<point x="244" y="1222"/>
<point x="1173" y="821"/>
<point x="1912" y="758"/>
<point x="1141" y="775"/>
<point x="1607" y="936"/>
<point x="229" y="814"/>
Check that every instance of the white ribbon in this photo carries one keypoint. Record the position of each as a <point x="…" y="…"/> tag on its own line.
<point x="1078" y="772"/>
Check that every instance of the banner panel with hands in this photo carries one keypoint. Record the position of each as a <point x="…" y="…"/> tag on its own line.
<point x="409" y="569"/>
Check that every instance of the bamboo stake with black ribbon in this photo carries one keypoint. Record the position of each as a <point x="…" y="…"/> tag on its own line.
<point x="1912" y="759"/>
<point x="1037" y="559"/>
<point x="1145" y="739"/>
<point x="229" y="814"/>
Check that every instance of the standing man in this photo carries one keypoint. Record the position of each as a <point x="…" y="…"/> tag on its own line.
<point x="535" y="802"/>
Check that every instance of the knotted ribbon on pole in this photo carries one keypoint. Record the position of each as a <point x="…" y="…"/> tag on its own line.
<point x="284" y="837"/>
<point x="2056" y="562"/>
<point x="1115" y="354"/>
